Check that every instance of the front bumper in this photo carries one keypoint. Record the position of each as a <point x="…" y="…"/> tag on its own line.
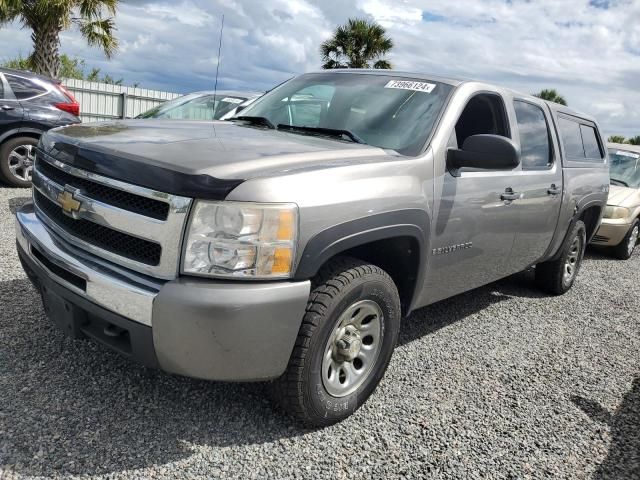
<point x="611" y="232"/>
<point x="234" y="331"/>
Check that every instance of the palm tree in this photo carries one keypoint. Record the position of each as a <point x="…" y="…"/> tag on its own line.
<point x="47" y="18"/>
<point x="616" y="139"/>
<point x="552" y="95"/>
<point x="358" y="44"/>
<point x="634" y="140"/>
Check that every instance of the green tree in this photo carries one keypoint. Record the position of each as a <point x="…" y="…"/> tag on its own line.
<point x="616" y="139"/>
<point x="634" y="140"/>
<point x="69" y="68"/>
<point x="48" y="18"/>
<point x="552" y="95"/>
<point x="358" y="44"/>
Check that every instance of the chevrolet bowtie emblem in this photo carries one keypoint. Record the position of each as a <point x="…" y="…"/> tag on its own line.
<point x="68" y="203"/>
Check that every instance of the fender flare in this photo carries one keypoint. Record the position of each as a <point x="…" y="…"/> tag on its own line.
<point x="579" y="210"/>
<point x="17" y="131"/>
<point x="413" y="223"/>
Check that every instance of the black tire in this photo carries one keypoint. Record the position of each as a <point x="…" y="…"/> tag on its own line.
<point x="5" y="172"/>
<point x="623" y="251"/>
<point x="301" y="391"/>
<point x="550" y="276"/>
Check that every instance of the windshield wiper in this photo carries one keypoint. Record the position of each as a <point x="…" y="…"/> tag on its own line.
<point x="264" y="121"/>
<point x="621" y="182"/>
<point x="331" y="132"/>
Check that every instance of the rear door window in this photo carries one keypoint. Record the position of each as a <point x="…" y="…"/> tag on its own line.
<point x="590" y="142"/>
<point x="534" y="136"/>
<point x="24" y="88"/>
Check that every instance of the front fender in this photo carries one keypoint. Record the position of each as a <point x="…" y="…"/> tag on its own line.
<point x="413" y="223"/>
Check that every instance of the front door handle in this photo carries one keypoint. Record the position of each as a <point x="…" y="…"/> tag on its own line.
<point x="553" y="190"/>
<point x="7" y="107"/>
<point x="509" y="195"/>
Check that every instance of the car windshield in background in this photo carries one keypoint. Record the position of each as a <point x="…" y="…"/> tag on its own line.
<point x="195" y="106"/>
<point x="624" y="168"/>
<point x="380" y="110"/>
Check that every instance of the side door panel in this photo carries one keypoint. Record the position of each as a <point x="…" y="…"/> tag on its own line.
<point x="473" y="229"/>
<point x="540" y="184"/>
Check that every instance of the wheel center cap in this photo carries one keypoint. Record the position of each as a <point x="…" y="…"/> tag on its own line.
<point x="348" y="345"/>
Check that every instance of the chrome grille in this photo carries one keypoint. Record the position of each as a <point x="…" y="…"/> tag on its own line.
<point x="111" y="240"/>
<point x="129" y="225"/>
<point x="118" y="198"/>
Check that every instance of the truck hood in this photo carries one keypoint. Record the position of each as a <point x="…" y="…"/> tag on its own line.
<point x="618" y="195"/>
<point x="197" y="158"/>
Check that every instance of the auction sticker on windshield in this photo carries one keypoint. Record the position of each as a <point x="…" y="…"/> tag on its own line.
<point x="622" y="153"/>
<point x="409" y="85"/>
<point x="232" y="100"/>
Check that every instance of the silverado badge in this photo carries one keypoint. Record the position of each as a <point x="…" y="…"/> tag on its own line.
<point x="68" y="202"/>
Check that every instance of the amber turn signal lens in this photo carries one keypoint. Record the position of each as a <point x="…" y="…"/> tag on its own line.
<point x="281" y="260"/>
<point x="286" y="226"/>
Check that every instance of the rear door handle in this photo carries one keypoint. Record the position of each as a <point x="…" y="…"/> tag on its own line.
<point x="7" y="107"/>
<point x="553" y="190"/>
<point x="509" y="195"/>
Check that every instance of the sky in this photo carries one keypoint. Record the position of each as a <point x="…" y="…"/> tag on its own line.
<point x="589" y="50"/>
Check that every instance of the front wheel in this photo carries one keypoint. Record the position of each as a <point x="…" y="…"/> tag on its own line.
<point x="346" y="339"/>
<point x="625" y="248"/>
<point x="16" y="161"/>
<point x="557" y="276"/>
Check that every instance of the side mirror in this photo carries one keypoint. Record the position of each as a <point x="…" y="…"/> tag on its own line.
<point x="488" y="152"/>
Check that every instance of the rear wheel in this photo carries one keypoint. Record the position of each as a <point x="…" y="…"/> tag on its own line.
<point x="346" y="340"/>
<point x="625" y="248"/>
<point x="557" y="276"/>
<point x="16" y="161"/>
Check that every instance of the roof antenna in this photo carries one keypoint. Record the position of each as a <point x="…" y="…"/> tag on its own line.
<point x="215" y="88"/>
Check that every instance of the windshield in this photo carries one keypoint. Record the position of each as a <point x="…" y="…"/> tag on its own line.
<point x="195" y="106"/>
<point x="624" y="168"/>
<point x="379" y="110"/>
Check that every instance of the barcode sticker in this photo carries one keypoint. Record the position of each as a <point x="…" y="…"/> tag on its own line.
<point x="410" y="85"/>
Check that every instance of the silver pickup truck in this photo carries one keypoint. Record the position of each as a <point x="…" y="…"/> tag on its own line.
<point x="288" y="243"/>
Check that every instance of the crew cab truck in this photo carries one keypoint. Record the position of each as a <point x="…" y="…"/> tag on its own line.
<point x="288" y="243"/>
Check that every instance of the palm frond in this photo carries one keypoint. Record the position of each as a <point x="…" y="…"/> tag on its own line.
<point x="356" y="44"/>
<point x="100" y="33"/>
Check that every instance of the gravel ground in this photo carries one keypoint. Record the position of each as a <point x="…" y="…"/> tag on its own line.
<point x="501" y="382"/>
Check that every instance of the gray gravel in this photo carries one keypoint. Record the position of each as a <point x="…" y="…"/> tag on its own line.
<point x="501" y="382"/>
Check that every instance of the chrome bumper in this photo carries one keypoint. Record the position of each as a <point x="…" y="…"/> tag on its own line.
<point x="113" y="288"/>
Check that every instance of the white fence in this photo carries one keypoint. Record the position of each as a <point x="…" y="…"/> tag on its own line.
<point x="102" y="101"/>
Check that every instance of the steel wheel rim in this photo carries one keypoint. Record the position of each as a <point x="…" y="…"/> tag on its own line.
<point x="360" y="322"/>
<point x="21" y="162"/>
<point x="571" y="264"/>
<point x="633" y="239"/>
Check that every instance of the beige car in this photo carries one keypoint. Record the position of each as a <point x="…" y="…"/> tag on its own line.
<point x="620" y="225"/>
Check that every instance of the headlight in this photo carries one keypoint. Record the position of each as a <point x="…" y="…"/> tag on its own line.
<point x="614" y="212"/>
<point x="238" y="239"/>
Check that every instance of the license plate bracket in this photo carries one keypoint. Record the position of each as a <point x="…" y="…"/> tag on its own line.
<point x="66" y="316"/>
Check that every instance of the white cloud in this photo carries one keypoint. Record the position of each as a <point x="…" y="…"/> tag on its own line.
<point x="591" y="55"/>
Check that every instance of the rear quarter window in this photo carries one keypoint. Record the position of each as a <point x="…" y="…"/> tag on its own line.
<point x="571" y="139"/>
<point x="23" y="88"/>
<point x="580" y="139"/>
<point x="590" y="142"/>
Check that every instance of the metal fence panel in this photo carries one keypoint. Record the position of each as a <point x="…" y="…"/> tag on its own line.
<point x="103" y="101"/>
